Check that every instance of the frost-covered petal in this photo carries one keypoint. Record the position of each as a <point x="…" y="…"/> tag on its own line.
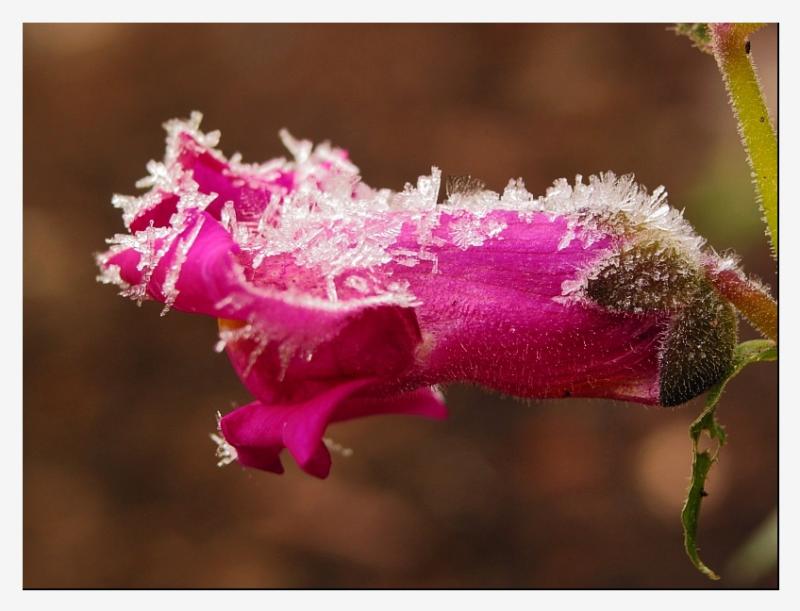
<point x="374" y="341"/>
<point x="337" y="300"/>
<point x="253" y="190"/>
<point x="498" y="315"/>
<point x="197" y="270"/>
<point x="250" y="190"/>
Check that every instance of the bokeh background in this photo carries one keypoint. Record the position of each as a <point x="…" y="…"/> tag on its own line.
<point x="120" y="483"/>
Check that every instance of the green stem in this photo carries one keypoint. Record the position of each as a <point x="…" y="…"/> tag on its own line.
<point x="731" y="48"/>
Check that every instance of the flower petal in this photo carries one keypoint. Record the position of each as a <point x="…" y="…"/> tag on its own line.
<point x="298" y="427"/>
<point x="259" y="432"/>
<point x="497" y="314"/>
<point x="250" y="192"/>
<point x="427" y="402"/>
<point x="157" y="215"/>
<point x="375" y="342"/>
<point x="196" y="270"/>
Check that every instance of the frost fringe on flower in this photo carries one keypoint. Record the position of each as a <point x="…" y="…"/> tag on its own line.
<point x="336" y="300"/>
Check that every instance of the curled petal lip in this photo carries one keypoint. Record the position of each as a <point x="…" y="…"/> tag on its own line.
<point x="259" y="432"/>
<point x="338" y="300"/>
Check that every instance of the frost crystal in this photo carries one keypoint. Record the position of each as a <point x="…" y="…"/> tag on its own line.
<point x="337" y="447"/>
<point x="225" y="452"/>
<point x="331" y="223"/>
<point x="169" y="289"/>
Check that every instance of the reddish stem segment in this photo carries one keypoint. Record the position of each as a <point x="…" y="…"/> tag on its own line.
<point x="751" y="298"/>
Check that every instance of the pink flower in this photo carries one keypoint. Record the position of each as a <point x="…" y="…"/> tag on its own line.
<point x="337" y="301"/>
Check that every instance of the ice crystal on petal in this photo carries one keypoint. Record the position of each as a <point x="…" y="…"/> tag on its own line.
<point x="296" y="254"/>
<point x="160" y="176"/>
<point x="463" y="184"/>
<point x="225" y="452"/>
<point x="184" y="245"/>
<point x="515" y="195"/>
<point x="358" y="283"/>
<point x="229" y="334"/>
<point x="331" y="223"/>
<point x="469" y="230"/>
<point x="132" y="206"/>
<point x="110" y="274"/>
<point x="152" y="244"/>
<point x="608" y="204"/>
<point x="177" y="127"/>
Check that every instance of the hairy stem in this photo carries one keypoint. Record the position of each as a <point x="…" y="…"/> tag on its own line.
<point x="749" y="296"/>
<point x="731" y="48"/>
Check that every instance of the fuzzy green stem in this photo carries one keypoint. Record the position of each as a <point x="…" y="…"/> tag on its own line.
<point x="731" y="48"/>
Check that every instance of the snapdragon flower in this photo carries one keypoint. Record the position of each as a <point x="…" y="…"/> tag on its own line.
<point x="336" y="300"/>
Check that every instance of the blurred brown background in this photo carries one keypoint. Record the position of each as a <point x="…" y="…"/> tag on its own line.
<point x="120" y="482"/>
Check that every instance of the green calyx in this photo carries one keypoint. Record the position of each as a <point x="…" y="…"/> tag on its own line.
<point x="701" y="331"/>
<point x="698" y="347"/>
<point x="644" y="278"/>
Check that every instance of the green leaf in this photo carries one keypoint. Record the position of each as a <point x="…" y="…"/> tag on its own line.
<point x="753" y="351"/>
